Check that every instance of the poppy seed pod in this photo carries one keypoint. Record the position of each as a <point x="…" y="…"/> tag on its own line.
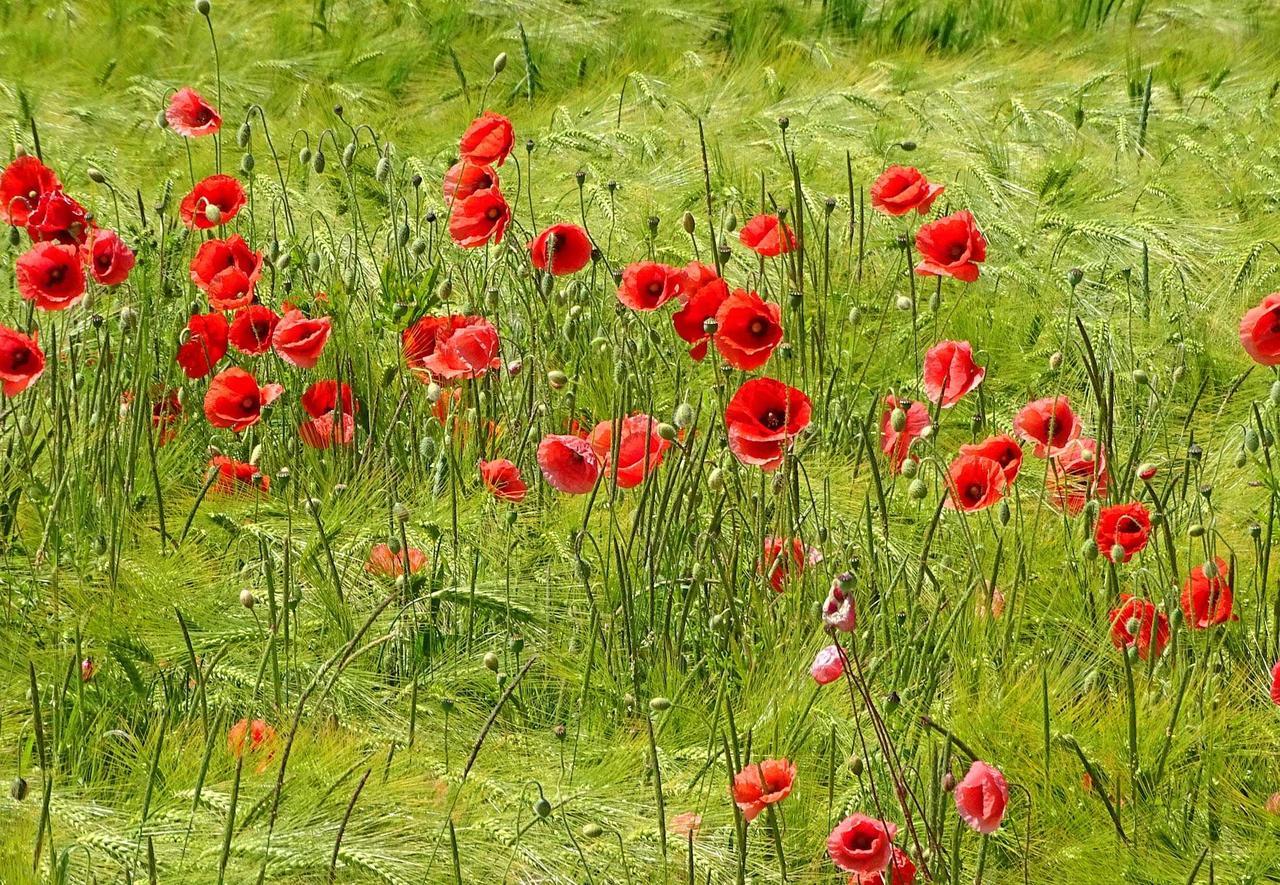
<point x="1074" y="276"/>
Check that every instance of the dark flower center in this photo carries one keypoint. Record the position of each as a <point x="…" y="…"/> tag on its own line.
<point x="758" y="326"/>
<point x="956" y="251"/>
<point x="860" y="841"/>
<point x="20" y="358"/>
<point x="1128" y="525"/>
<point x="773" y="419"/>
<point x="249" y="403"/>
<point x="973" y="492"/>
<point x="655" y="288"/>
<point x="56" y="275"/>
<point x="203" y="116"/>
<point x="492" y="213"/>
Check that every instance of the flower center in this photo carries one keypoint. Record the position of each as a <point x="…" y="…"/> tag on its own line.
<point x="758" y="326"/>
<point x="249" y="404"/>
<point x="773" y="419"/>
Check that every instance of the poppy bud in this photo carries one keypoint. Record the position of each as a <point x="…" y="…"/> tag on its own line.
<point x="317" y="162"/>
<point x="731" y="222"/>
<point x="949" y="782"/>
<point x="684" y="415"/>
<point x="1055" y="360"/>
<point x="593" y="831"/>
<point x="499" y="63"/>
<point x="246" y="598"/>
<point x="1241" y="458"/>
<point x="247" y="162"/>
<point x="905" y="303"/>
<point x="213" y="213"/>
<point x="491" y="661"/>
<point x="1005" y="513"/>
<point x="162" y="122"/>
<point x="283" y="260"/>
<point x="898" y="419"/>
<point x="304" y="156"/>
<point x="688" y="222"/>
<point x="242" y="135"/>
<point x="918" y="490"/>
<point x="18" y="789"/>
<point x="855" y="765"/>
<point x="1074" y="276"/>
<point x="399" y="512"/>
<point x="557" y="379"/>
<point x="203" y="7"/>
<point x="1117" y="553"/>
<point x="910" y="468"/>
<point x="349" y="155"/>
<point x="95" y="175"/>
<point x="1141" y="377"/>
<point x="383" y="169"/>
<point x="667" y="432"/>
<point x="1210" y="570"/>
<point x="1089" y="551"/>
<point x="715" y="479"/>
<point x="927" y="431"/>
<point x="87" y="669"/>
<point x="658" y="705"/>
<point x="14" y="236"/>
<point x="542" y="808"/>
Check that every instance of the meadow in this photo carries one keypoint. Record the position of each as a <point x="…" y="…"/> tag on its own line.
<point x="598" y="442"/>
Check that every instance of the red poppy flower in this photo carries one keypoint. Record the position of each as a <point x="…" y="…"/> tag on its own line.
<point x="233" y="474"/>
<point x="502" y="479"/>
<point x="219" y="196"/>
<point x="254" y="737"/>
<point x="896" y="444"/>
<point x="899" y="189"/>
<point x="950" y="372"/>
<point x="1076" y="473"/>
<point x="216" y="257"/>
<point x="235" y="400"/>
<point x="22" y="184"/>
<point x="206" y="343"/>
<point x="1260" y="331"/>
<point x="1137" y="622"/>
<point x="562" y="249"/>
<point x="767" y="235"/>
<point x="384" y="563"/>
<point x="568" y="463"/>
<point x="487" y="140"/>
<point x="299" y="339"/>
<point x="464" y="179"/>
<point x="975" y="482"/>
<point x="1275" y="684"/>
<point x="1001" y="448"/>
<point x="827" y="666"/>
<point x="1205" y="600"/>
<point x="703" y="294"/>
<point x="252" y="328"/>
<point x="765" y="783"/>
<point x="450" y="347"/>
<point x="748" y="329"/>
<point x="640" y="449"/>
<point x="952" y="246"/>
<point x="190" y="115"/>
<point x="325" y="401"/>
<point x="1127" y="526"/>
<point x="763" y="419"/>
<point x="109" y="259"/>
<point x="1049" y="423"/>
<point x="981" y="797"/>
<point x="647" y="285"/>
<point x="902" y="871"/>
<point x="21" y="361"/>
<point x="230" y="290"/>
<point x="58" y="218"/>
<point x="783" y="560"/>
<point x="50" y="275"/>
<point x="863" y="845"/>
<point x="838" y="610"/>
<point x="479" y="219"/>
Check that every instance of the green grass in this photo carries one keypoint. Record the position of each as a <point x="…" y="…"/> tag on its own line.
<point x="1032" y="114"/>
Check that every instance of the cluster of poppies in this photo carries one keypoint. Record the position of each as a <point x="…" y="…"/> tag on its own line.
<point x="861" y="845"/>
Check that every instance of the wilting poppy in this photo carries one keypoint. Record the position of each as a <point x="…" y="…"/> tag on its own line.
<point x="952" y="246"/>
<point x="233" y="474"/>
<point x="50" y="275"/>
<point x="58" y="218"/>
<point x="21" y="361"/>
<point x="109" y="259"/>
<point x="217" y="258"/>
<point x="22" y="184"/>
<point x="640" y="449"/>
<point x="502" y="479"/>
<point x="647" y="285"/>
<point x="896" y="441"/>
<point x="783" y="560"/>
<point x="1127" y="526"/>
<point x="767" y="235"/>
<point x="324" y="401"/>
<point x="255" y="737"/>
<point x="190" y="115"/>
<point x="1077" y="472"/>
<point x="902" y="871"/>
<point x="762" y="784"/>
<point x="1206" y="598"/>
<point x="568" y="463"/>
<point x="1260" y="331"/>
<point x="981" y="797"/>
<point x="479" y="218"/>
<point x="562" y="249"/>
<point x="387" y="564"/>
<point x="464" y="179"/>
<point x="487" y="140"/>
<point x="703" y="294"/>
<point x="899" y="189"/>
<point x="975" y="482"/>
<point x="748" y="330"/>
<point x="827" y="666"/>
<point x="1049" y="423"/>
<point x="450" y="347"/>
<point x="1137" y="622"/>
<point x="950" y="372"/>
<point x="299" y="339"/>
<point x="235" y="400"/>
<point x="252" y="328"/>
<point x="839" y="612"/>
<point x="213" y="201"/>
<point x="1001" y="448"/>
<point x="860" y="844"/>
<point x="763" y="419"/>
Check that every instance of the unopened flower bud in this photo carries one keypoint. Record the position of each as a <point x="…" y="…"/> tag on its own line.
<point x="213" y="214"/>
<point x="246" y="598"/>
<point x="557" y="379"/>
<point x="499" y="63"/>
<point x="491" y="661"/>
